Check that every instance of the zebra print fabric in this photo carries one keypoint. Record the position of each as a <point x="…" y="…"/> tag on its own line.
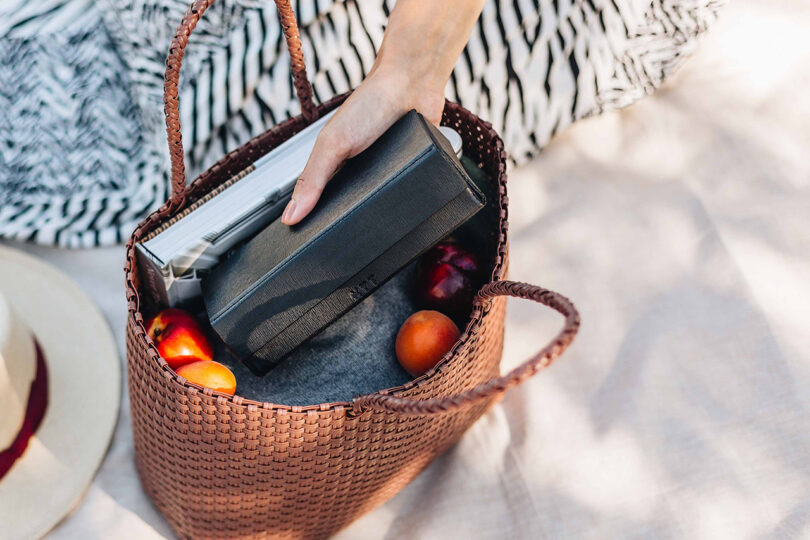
<point x="72" y="145"/>
<point x="83" y="154"/>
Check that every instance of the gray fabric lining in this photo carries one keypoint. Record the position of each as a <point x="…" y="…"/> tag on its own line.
<point x="353" y="356"/>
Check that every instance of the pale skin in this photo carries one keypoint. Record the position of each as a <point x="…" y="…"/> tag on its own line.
<point x="422" y="42"/>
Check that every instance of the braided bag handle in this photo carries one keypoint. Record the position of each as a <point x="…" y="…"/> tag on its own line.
<point x="498" y="385"/>
<point x="174" y="61"/>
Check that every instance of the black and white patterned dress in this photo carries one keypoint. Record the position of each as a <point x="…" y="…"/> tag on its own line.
<point x="82" y="140"/>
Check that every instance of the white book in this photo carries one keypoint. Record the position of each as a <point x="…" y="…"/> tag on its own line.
<point x="202" y="236"/>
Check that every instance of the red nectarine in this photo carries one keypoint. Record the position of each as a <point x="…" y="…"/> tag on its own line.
<point x="447" y="278"/>
<point x="178" y="337"/>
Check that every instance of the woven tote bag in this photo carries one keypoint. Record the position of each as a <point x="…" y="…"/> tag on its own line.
<point x="218" y="466"/>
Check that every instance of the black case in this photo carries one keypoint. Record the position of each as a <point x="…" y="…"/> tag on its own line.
<point x="381" y="210"/>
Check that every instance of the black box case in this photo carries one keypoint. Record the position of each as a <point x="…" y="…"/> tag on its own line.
<point x="383" y="208"/>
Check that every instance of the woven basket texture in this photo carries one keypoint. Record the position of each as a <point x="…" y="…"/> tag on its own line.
<point x="227" y="467"/>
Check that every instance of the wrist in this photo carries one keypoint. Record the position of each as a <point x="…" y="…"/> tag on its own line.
<point x="409" y="88"/>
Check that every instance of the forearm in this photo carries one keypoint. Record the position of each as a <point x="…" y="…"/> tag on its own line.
<point x="424" y="38"/>
<point x="421" y="45"/>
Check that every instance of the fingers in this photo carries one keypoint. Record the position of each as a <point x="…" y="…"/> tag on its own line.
<point x="371" y="109"/>
<point x="327" y="156"/>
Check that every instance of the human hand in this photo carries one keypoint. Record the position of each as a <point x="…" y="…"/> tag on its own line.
<point x="371" y="109"/>
<point x="422" y="42"/>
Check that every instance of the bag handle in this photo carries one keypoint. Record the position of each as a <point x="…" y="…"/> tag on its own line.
<point x="177" y="50"/>
<point x="498" y="385"/>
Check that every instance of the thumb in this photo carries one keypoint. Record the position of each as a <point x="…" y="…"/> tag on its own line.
<point x="327" y="156"/>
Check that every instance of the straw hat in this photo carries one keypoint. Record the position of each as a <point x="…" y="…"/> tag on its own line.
<point x="83" y="394"/>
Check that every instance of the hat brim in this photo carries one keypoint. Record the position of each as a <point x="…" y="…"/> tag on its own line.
<point x="84" y="395"/>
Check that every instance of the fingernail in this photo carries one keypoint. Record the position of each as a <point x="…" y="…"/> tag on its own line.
<point x="289" y="211"/>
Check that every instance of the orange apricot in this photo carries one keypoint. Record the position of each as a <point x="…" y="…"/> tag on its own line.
<point x="210" y="374"/>
<point x="423" y="339"/>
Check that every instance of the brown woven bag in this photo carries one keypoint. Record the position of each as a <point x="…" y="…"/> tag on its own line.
<point x="227" y="467"/>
